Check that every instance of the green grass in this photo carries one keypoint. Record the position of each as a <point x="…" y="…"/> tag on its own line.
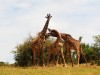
<point x="76" y="70"/>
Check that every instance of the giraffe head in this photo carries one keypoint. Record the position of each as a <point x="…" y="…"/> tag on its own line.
<point x="53" y="32"/>
<point x="44" y="30"/>
<point x="48" y="16"/>
<point x="48" y="34"/>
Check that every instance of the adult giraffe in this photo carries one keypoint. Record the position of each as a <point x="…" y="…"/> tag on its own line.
<point x="71" y="44"/>
<point x="39" y="41"/>
<point x="56" y="48"/>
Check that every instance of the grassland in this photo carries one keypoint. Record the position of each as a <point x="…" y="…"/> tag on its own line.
<point x="76" y="70"/>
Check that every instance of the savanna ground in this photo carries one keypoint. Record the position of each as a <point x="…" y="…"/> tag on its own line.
<point x="76" y="70"/>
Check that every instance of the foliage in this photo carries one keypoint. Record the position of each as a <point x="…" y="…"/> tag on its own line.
<point x="4" y="63"/>
<point x="96" y="48"/>
<point x="23" y="54"/>
<point x="88" y="51"/>
<point x="93" y="52"/>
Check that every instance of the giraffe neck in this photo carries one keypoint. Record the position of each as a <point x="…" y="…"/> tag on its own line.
<point x="45" y="27"/>
<point x="58" y="37"/>
<point x="56" y="34"/>
<point x="65" y="37"/>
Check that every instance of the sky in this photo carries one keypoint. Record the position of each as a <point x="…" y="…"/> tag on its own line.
<point x="21" y="18"/>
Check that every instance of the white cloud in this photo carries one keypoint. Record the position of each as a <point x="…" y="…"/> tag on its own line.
<point x="22" y="5"/>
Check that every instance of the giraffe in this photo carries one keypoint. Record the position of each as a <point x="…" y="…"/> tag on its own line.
<point x="56" y="48"/>
<point x="39" y="41"/>
<point x="71" y="44"/>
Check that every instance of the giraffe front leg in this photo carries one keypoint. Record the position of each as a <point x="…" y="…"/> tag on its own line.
<point x="84" y="56"/>
<point x="43" y="63"/>
<point x="34" y="58"/>
<point x="54" y="61"/>
<point x="78" y="57"/>
<point x="64" y="63"/>
<point x="71" y="57"/>
<point x="57" y="57"/>
<point x="48" y="58"/>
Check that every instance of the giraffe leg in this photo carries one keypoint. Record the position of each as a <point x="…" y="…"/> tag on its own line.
<point x="78" y="57"/>
<point x="34" y="58"/>
<point x="66" y="56"/>
<point x="71" y="57"/>
<point x="64" y="63"/>
<point x="43" y="58"/>
<point x="54" y="60"/>
<point x="57" y="60"/>
<point x="37" y="59"/>
<point x="48" y="58"/>
<point x="83" y="56"/>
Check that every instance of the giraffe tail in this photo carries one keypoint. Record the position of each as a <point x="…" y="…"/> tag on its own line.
<point x="83" y="55"/>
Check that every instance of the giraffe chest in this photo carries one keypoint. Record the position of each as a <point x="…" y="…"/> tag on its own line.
<point x="38" y="43"/>
<point x="55" y="48"/>
<point x="57" y="45"/>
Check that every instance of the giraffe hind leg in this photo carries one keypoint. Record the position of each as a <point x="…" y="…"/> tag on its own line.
<point x="48" y="58"/>
<point x="43" y="63"/>
<point x="57" y="57"/>
<point x="71" y="57"/>
<point x="62" y="54"/>
<point x="83" y="56"/>
<point x="78" y="57"/>
<point x="34" y="59"/>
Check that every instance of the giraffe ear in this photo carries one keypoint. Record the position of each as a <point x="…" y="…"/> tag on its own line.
<point x="49" y="15"/>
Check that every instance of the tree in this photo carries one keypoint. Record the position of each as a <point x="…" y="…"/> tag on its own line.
<point x="89" y="53"/>
<point x="4" y="63"/>
<point x="96" y="48"/>
<point x="23" y="53"/>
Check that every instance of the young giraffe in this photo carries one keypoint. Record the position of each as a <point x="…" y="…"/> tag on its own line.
<point x="71" y="44"/>
<point x="38" y="43"/>
<point x="56" y="48"/>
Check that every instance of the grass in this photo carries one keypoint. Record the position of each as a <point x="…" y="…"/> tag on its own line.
<point x="76" y="70"/>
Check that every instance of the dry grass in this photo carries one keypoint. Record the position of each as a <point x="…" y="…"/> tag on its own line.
<point x="76" y="70"/>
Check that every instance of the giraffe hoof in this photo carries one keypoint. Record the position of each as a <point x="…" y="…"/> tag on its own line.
<point x="43" y="65"/>
<point x="57" y="65"/>
<point x="64" y="65"/>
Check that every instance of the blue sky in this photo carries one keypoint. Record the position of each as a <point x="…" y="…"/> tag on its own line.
<point x="19" y="18"/>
